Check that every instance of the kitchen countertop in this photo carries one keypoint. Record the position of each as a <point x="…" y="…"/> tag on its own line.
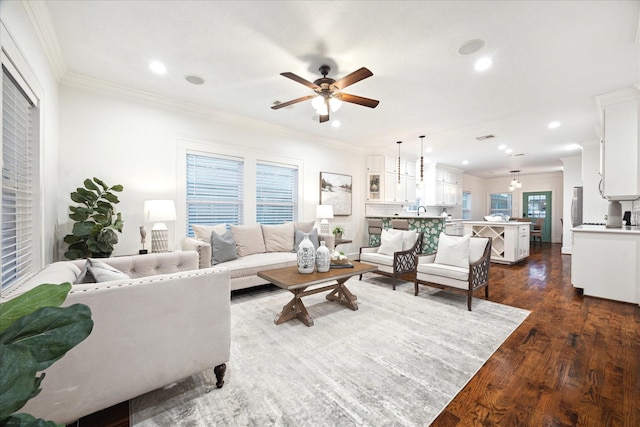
<point x="628" y="229"/>
<point x="407" y="216"/>
<point x="498" y="223"/>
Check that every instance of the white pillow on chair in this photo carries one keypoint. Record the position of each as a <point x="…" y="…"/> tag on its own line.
<point x="408" y="237"/>
<point x="453" y="250"/>
<point x="390" y="242"/>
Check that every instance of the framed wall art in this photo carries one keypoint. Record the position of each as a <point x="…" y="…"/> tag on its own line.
<point x="335" y="190"/>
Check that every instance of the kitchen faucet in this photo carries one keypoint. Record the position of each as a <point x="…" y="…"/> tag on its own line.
<point x="425" y="210"/>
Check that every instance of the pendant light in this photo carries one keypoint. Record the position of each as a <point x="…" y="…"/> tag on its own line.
<point x="515" y="180"/>
<point x="421" y="183"/>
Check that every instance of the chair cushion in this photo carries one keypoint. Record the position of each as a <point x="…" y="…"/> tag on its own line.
<point x="453" y="250"/>
<point x="390" y="242"/>
<point x="278" y="238"/>
<point x="408" y="237"/>
<point x="223" y="247"/>
<point x="443" y="270"/>
<point x="377" y="258"/>
<point x="248" y="239"/>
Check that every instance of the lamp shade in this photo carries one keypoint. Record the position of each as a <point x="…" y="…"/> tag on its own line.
<point x="324" y="211"/>
<point x="159" y="210"/>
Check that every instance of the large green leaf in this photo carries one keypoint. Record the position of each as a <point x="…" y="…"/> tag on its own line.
<point x="90" y="185"/>
<point x="49" y="332"/>
<point x="26" y="420"/>
<point x="78" y="198"/>
<point x="83" y="228"/>
<point x="47" y="295"/>
<point x="117" y="188"/>
<point x="111" y="197"/>
<point x="89" y="196"/>
<point x="82" y="251"/>
<point x="18" y="382"/>
<point x="101" y="183"/>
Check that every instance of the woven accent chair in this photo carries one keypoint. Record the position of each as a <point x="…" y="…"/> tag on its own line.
<point x="450" y="277"/>
<point x="397" y="264"/>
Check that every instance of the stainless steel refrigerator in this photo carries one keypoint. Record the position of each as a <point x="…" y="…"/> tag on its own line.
<point x="576" y="207"/>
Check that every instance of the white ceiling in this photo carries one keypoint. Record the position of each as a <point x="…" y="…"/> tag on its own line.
<point x="550" y="60"/>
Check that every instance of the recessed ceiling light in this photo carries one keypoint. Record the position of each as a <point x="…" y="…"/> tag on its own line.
<point x="554" y="125"/>
<point x="335" y="123"/>
<point x="483" y="64"/>
<point x="501" y="147"/>
<point x="508" y="150"/>
<point x="465" y="162"/>
<point x="157" y="67"/>
<point x="195" y="80"/>
<point x="471" y="46"/>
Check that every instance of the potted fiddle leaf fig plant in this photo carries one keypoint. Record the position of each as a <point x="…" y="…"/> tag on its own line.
<point x="34" y="333"/>
<point x="94" y="233"/>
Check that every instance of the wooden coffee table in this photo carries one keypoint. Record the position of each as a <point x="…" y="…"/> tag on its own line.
<point x="290" y="279"/>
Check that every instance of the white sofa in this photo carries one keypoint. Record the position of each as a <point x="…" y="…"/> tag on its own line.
<point x="169" y="320"/>
<point x="257" y="247"/>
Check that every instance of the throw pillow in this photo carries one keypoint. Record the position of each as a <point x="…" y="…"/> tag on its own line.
<point x="313" y="236"/>
<point x="278" y="238"/>
<point x="82" y="277"/>
<point x="249" y="239"/>
<point x="390" y="242"/>
<point x="98" y="271"/>
<point x="453" y="250"/>
<point x="203" y="232"/>
<point x="408" y="237"/>
<point x="223" y="247"/>
<point x="304" y="226"/>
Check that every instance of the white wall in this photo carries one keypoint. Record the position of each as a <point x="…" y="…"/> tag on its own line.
<point x="39" y="75"/>
<point x="539" y="182"/>
<point x="477" y="187"/>
<point x="572" y="172"/>
<point x="136" y="144"/>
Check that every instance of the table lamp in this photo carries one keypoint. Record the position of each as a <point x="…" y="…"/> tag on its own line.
<point x="324" y="212"/>
<point x="158" y="211"/>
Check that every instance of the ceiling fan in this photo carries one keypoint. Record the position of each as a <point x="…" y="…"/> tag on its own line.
<point x="328" y="95"/>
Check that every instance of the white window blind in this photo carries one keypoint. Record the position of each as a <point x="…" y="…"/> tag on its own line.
<point x="276" y="193"/>
<point x="18" y="147"/>
<point x="214" y="190"/>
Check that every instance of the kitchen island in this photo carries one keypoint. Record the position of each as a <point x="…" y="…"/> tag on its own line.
<point x="509" y="240"/>
<point x="431" y="226"/>
<point x="605" y="262"/>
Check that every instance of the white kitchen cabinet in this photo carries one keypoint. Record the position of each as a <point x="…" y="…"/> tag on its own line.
<point x="620" y="151"/>
<point x="509" y="240"/>
<point x="443" y="185"/>
<point x="382" y="173"/>
<point x="605" y="262"/>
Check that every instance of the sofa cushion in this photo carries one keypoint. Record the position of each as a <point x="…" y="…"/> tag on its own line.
<point x="453" y="250"/>
<point x="223" y="247"/>
<point x="250" y="265"/>
<point x="278" y="238"/>
<point x="313" y="236"/>
<point x="249" y="239"/>
<point x="203" y="232"/>
<point x="390" y="242"/>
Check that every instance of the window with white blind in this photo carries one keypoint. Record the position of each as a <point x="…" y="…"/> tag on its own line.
<point x="276" y="193"/>
<point x="500" y="203"/>
<point x="214" y="190"/>
<point x="19" y="139"/>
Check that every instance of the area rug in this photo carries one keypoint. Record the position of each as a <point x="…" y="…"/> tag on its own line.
<point x="398" y="360"/>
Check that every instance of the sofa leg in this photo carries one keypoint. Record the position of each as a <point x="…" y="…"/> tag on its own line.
<point x="393" y="282"/>
<point x="486" y="292"/>
<point x="415" y="289"/>
<point x="220" y="371"/>
<point x="360" y="277"/>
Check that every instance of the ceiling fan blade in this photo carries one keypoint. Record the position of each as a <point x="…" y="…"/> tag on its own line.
<point x="352" y="78"/>
<point x="360" y="100"/>
<point x="299" y="79"/>
<point x="324" y="118"/>
<point x="293" y="101"/>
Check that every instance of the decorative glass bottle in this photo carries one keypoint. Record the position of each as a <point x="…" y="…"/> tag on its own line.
<point x="323" y="258"/>
<point x="306" y="255"/>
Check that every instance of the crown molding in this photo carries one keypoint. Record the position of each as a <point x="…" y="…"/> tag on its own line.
<point x="104" y="87"/>
<point x="41" y="20"/>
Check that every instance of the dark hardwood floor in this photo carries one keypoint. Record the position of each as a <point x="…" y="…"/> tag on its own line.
<point x="575" y="361"/>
